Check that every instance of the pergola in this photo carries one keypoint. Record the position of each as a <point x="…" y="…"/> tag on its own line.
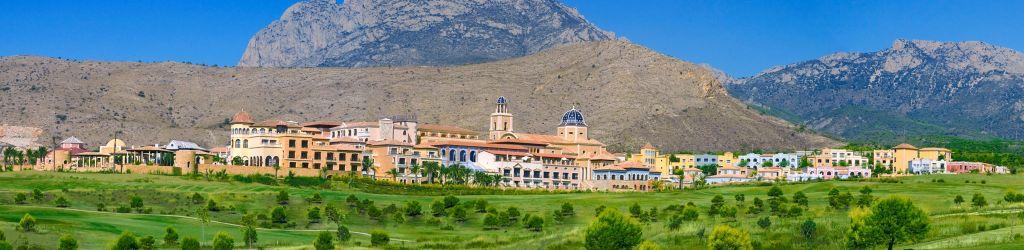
<point x="147" y="155"/>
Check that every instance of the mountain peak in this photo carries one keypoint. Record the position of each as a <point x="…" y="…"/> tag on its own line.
<point x="359" y="33"/>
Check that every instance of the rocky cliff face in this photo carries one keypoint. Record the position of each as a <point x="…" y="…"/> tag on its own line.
<point x="359" y="33"/>
<point x="629" y="95"/>
<point x="913" y="88"/>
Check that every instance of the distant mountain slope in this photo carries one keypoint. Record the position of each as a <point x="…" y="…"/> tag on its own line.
<point x="629" y="95"/>
<point x="358" y="33"/>
<point x="912" y="89"/>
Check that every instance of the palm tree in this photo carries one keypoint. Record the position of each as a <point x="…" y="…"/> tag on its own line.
<point x="415" y="169"/>
<point x="431" y="168"/>
<point x="277" y="167"/>
<point x="394" y="174"/>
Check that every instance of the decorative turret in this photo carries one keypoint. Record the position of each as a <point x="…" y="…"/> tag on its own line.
<point x="501" y="120"/>
<point x="241" y="117"/>
<point x="573" y="117"/>
<point x="573" y="126"/>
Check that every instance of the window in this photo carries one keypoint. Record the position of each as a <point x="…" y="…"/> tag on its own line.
<point x="305" y="144"/>
<point x="341" y="156"/>
<point x="462" y="156"/>
<point x="305" y="165"/>
<point x="472" y="156"/>
<point x="330" y="156"/>
<point x="316" y="155"/>
<point x="291" y="164"/>
<point x="245" y="143"/>
<point x="291" y="154"/>
<point x="575" y="176"/>
<point x="291" y="143"/>
<point x="316" y="165"/>
<point x="304" y="155"/>
<point x="355" y="157"/>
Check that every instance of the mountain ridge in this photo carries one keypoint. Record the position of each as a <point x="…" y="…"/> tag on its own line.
<point x="367" y="33"/>
<point x="630" y="95"/>
<point x="970" y="89"/>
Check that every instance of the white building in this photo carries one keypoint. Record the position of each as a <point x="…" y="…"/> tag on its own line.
<point x="927" y="166"/>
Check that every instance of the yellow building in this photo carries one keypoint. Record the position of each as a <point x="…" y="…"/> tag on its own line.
<point x="902" y="156"/>
<point x="884" y="157"/>
<point x="289" y="145"/>
<point x="935" y="154"/>
<point x="727" y="160"/>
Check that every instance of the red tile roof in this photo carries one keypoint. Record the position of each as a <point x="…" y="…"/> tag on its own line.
<point x="241" y="117"/>
<point x="446" y="128"/>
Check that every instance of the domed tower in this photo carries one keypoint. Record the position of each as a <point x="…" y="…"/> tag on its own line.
<point x="501" y="120"/>
<point x="573" y="126"/>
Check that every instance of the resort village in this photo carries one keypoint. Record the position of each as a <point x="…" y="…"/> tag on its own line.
<point x="401" y="149"/>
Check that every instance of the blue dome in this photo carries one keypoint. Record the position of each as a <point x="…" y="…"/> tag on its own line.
<point x="501" y="100"/>
<point x="573" y="117"/>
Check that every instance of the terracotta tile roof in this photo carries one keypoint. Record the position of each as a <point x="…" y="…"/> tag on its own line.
<point x="219" y="150"/>
<point x="648" y="146"/>
<point x="446" y="128"/>
<point x="934" y="149"/>
<point x="507" y="152"/>
<point x="521" y="141"/>
<point x="905" y="146"/>
<point x="549" y="155"/>
<point x="241" y="117"/>
<point x="388" y="143"/>
<point x="478" y="144"/>
<point x="423" y="146"/>
<point x="90" y="153"/>
<point x="272" y="123"/>
<point x="553" y="139"/>
<point x="321" y="124"/>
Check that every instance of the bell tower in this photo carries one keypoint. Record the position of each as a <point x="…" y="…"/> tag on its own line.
<point x="501" y="120"/>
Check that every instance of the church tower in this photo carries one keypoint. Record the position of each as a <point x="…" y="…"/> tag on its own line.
<point x="573" y="127"/>
<point x="501" y="120"/>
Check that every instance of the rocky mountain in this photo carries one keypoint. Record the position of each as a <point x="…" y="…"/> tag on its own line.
<point x="360" y="33"/>
<point x="629" y="95"/>
<point x="915" y="88"/>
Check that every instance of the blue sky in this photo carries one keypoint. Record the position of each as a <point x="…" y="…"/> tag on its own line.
<point x="739" y="37"/>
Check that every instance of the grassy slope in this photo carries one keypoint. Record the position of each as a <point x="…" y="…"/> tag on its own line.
<point x="166" y="194"/>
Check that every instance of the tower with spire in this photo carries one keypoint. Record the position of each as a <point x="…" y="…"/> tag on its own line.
<point x="501" y="120"/>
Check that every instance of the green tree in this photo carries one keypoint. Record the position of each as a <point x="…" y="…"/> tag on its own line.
<point x="958" y="199"/>
<point x="136" y="203"/>
<point x="147" y="242"/>
<point x="612" y="230"/>
<point x="313" y="215"/>
<point x="724" y="237"/>
<point x="126" y="241"/>
<point x="807" y="229"/>
<point x="978" y="200"/>
<point x="249" y="236"/>
<point x="379" y="238"/>
<point x="61" y="202"/>
<point x="324" y="241"/>
<point x="459" y="214"/>
<point x="894" y="220"/>
<point x="27" y="223"/>
<point x="170" y="236"/>
<point x="690" y="213"/>
<point x="450" y="201"/>
<point x="189" y="243"/>
<point x="437" y="209"/>
<point x="535" y="223"/>
<point x="20" y="198"/>
<point x="800" y="198"/>
<point x="343" y="234"/>
<point x="413" y="209"/>
<point x="764" y="222"/>
<point x="278" y="215"/>
<point x="636" y="211"/>
<point x="332" y="213"/>
<point x="223" y="241"/>
<point x="282" y="197"/>
<point x="567" y="210"/>
<point x="67" y="242"/>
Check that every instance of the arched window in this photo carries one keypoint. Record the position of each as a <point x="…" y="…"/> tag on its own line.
<point x="451" y="155"/>
<point x="462" y="156"/>
<point x="245" y="143"/>
<point x="472" y="156"/>
<point x="238" y="143"/>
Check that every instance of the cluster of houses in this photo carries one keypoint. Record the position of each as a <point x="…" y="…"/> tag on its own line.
<point x="400" y="147"/>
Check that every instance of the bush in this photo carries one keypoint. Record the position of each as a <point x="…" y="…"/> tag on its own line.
<point x="222" y="241"/>
<point x="459" y="214"/>
<point x="413" y="209"/>
<point x="324" y="241"/>
<point x="612" y="230"/>
<point x="170" y="236"/>
<point x="567" y="210"/>
<point x="189" y="243"/>
<point x="726" y="237"/>
<point x="67" y="242"/>
<point x="343" y="234"/>
<point x="20" y="198"/>
<point x="27" y="223"/>
<point x="379" y="238"/>
<point x="282" y="197"/>
<point x="147" y="243"/>
<point x="450" y="201"/>
<point x="807" y="229"/>
<point x="535" y="223"/>
<point x="437" y="209"/>
<point x="278" y="216"/>
<point x="62" y="202"/>
<point x="764" y="222"/>
<point x="481" y="206"/>
<point x="127" y="241"/>
<point x="313" y="215"/>
<point x="491" y="222"/>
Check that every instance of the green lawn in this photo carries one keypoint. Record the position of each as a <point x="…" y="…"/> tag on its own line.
<point x="168" y="197"/>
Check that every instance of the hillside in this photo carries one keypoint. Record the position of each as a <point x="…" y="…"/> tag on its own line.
<point x="629" y="94"/>
<point x="915" y="88"/>
<point x="359" y="33"/>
